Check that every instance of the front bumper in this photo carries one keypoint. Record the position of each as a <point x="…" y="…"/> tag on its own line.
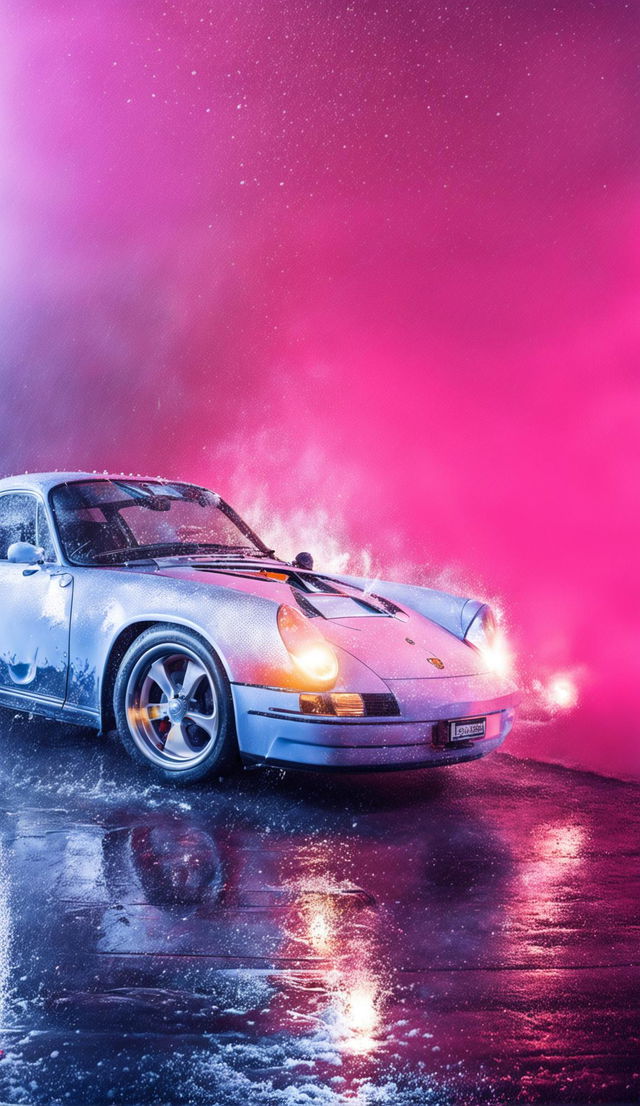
<point x="271" y="731"/>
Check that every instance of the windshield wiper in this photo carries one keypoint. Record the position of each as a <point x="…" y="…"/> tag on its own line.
<point x="185" y="552"/>
<point x="225" y="558"/>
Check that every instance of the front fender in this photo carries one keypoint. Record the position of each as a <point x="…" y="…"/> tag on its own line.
<point x="239" y="626"/>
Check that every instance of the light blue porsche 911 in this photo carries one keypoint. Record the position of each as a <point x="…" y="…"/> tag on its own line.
<point x="149" y="607"/>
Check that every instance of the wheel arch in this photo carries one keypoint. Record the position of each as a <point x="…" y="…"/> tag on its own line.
<point x="123" y="640"/>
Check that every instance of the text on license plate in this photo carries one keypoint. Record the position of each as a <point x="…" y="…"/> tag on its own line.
<point x="469" y="727"/>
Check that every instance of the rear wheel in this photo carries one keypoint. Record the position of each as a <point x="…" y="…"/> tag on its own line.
<point x="173" y="706"/>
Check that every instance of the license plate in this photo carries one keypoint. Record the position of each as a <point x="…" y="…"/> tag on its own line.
<point x="467" y="728"/>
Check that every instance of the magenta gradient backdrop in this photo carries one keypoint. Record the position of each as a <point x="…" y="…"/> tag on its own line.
<point x="380" y="259"/>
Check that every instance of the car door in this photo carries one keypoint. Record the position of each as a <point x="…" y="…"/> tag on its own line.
<point x="35" y="607"/>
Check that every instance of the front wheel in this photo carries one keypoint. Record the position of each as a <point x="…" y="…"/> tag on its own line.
<point x="173" y="706"/>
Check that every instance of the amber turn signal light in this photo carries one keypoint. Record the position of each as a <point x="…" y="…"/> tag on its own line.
<point x="345" y="704"/>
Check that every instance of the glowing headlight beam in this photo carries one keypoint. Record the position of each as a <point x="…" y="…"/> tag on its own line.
<point x="308" y="649"/>
<point x="561" y="692"/>
<point x="498" y="655"/>
<point x="485" y="635"/>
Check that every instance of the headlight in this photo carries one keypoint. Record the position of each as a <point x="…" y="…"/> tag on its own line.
<point x="308" y="649"/>
<point x="485" y="635"/>
<point x="483" y="629"/>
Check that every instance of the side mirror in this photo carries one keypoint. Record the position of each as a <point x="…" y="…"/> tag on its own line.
<point x="303" y="560"/>
<point x="24" y="553"/>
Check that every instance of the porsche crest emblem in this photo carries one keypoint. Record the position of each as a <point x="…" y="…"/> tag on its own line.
<point x="436" y="662"/>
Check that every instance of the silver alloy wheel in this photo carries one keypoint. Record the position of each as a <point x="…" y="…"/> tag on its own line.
<point x="172" y="706"/>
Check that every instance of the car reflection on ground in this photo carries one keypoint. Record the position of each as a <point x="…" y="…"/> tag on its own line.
<point x="401" y="939"/>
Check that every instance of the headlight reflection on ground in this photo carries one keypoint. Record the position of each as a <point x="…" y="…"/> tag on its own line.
<point x="354" y="1010"/>
<point x="320" y="930"/>
<point x="352" y="987"/>
<point x="555" y="861"/>
<point x="360" y="1011"/>
<point x="564" y="841"/>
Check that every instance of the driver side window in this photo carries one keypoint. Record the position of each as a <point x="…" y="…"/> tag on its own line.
<point x="22" y="518"/>
<point x="17" y="520"/>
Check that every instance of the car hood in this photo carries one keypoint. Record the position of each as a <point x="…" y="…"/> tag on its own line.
<point x="400" y="645"/>
<point x="398" y="650"/>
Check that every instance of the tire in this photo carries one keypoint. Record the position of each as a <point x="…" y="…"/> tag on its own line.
<point x="173" y="706"/>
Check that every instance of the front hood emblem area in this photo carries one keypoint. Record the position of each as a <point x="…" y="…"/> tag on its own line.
<point x="436" y="662"/>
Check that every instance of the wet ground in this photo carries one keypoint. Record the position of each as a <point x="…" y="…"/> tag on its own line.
<point x="455" y="936"/>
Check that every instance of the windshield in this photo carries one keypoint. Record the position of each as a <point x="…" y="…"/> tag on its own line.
<point x="114" y="521"/>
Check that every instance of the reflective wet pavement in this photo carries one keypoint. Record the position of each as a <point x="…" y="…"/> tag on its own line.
<point x="454" y="936"/>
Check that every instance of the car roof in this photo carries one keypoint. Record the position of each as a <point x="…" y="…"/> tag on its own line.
<point x="44" y="481"/>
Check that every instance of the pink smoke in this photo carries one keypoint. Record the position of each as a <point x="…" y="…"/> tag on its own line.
<point x="378" y="263"/>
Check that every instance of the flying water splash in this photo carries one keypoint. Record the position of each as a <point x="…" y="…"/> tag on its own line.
<point x="312" y="529"/>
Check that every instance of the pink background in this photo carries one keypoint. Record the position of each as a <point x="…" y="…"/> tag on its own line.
<point x="373" y="274"/>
